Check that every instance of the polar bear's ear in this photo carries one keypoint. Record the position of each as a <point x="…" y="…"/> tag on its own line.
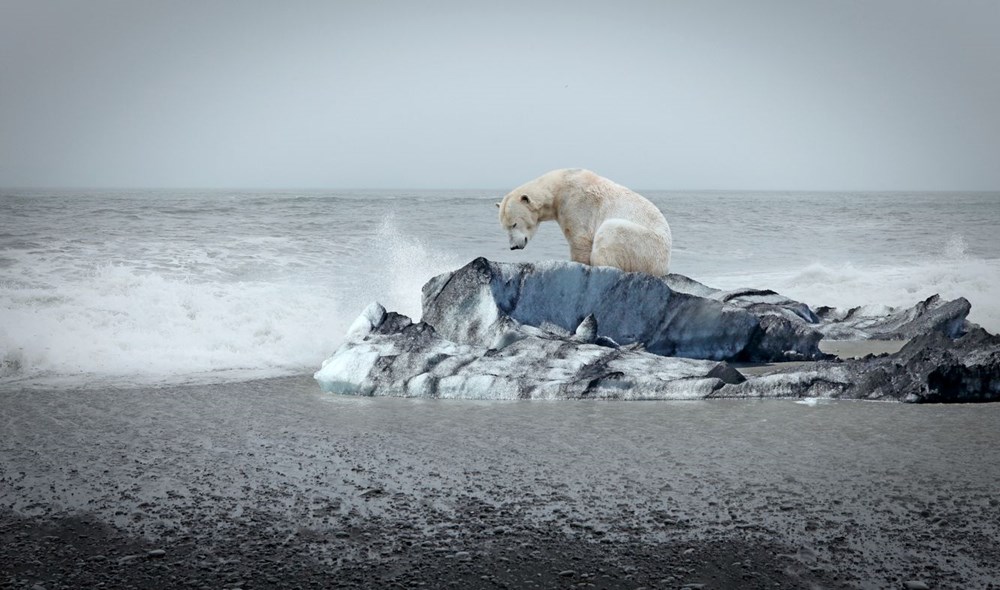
<point x="525" y="199"/>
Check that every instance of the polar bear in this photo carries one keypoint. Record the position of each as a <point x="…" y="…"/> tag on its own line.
<point x="605" y="223"/>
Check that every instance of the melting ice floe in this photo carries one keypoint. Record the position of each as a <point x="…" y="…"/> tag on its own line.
<point x="503" y="331"/>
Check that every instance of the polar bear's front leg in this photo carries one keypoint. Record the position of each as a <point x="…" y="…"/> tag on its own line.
<point x="580" y="252"/>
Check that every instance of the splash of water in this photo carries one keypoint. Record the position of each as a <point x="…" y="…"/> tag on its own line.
<point x="123" y="323"/>
<point x="126" y="322"/>
<point x="398" y="267"/>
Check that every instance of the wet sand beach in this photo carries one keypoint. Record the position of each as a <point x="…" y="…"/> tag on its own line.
<point x="272" y="484"/>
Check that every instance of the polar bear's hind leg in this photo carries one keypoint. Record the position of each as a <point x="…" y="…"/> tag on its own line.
<point x="630" y="247"/>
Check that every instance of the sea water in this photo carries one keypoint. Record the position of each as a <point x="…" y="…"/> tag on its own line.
<point x="133" y="288"/>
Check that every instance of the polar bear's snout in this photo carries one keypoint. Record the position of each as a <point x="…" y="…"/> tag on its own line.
<point x="519" y="218"/>
<point x="518" y="239"/>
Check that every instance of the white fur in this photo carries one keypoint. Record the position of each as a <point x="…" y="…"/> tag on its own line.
<point x="605" y="223"/>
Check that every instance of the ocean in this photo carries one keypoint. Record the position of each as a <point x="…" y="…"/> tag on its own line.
<point x="136" y="288"/>
<point x="156" y="353"/>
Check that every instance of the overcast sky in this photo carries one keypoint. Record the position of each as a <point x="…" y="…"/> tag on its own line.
<point x="836" y="95"/>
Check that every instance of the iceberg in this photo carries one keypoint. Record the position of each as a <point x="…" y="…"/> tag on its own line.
<point x="563" y="330"/>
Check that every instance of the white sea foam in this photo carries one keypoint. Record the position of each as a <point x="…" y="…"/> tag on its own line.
<point x="180" y="313"/>
<point x="122" y="324"/>
<point x="812" y="402"/>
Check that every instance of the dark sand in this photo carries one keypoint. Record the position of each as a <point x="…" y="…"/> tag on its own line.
<point x="272" y="484"/>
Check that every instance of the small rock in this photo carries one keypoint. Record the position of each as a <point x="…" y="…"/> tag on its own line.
<point x="156" y="553"/>
<point x="915" y="585"/>
<point x="567" y="573"/>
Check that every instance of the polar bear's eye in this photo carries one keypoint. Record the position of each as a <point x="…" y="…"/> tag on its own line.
<point x="513" y="226"/>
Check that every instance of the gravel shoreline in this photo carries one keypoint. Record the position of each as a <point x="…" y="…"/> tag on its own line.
<point x="271" y="484"/>
<point x="82" y="552"/>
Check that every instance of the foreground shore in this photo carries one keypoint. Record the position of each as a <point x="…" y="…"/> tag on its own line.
<point x="272" y="484"/>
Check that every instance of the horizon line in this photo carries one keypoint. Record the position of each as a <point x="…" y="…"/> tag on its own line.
<point x="483" y="189"/>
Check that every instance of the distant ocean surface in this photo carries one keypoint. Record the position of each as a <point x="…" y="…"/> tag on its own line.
<point x="137" y="288"/>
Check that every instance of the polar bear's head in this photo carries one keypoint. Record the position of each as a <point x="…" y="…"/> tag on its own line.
<point x="519" y="215"/>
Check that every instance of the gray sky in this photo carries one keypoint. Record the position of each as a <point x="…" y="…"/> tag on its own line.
<point x="733" y="94"/>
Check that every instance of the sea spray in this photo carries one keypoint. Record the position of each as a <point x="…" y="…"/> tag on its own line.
<point x="405" y="262"/>
<point x="126" y="324"/>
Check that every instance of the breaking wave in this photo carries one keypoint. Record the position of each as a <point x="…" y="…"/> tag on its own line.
<point x="120" y="323"/>
<point x="124" y="322"/>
